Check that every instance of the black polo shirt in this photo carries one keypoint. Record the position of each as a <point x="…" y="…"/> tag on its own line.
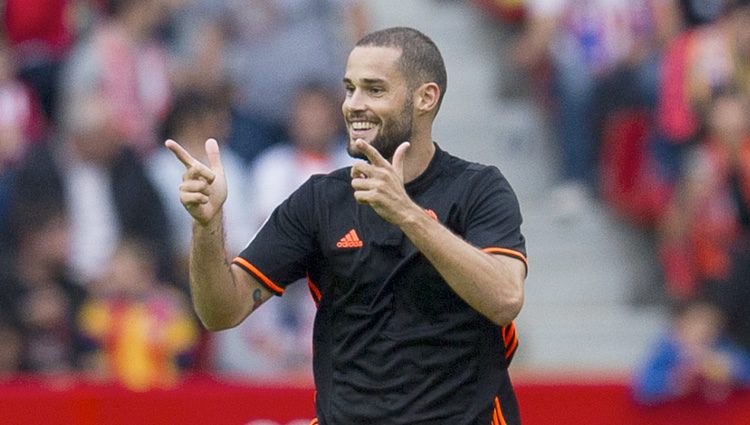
<point x="393" y="344"/>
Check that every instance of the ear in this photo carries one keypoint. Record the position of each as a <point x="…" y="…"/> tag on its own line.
<point x="426" y="98"/>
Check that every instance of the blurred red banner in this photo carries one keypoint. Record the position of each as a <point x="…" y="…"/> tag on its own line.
<point x="201" y="400"/>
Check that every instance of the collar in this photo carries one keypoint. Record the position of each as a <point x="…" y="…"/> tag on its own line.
<point x="424" y="180"/>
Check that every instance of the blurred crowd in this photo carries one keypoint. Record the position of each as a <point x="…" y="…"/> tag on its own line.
<point x="649" y="102"/>
<point x="94" y="242"/>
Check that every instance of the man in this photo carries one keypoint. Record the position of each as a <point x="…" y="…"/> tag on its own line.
<point x="414" y="257"/>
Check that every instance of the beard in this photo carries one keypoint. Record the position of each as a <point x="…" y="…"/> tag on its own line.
<point x="390" y="137"/>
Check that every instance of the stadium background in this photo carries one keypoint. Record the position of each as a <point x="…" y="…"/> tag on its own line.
<point x="593" y="305"/>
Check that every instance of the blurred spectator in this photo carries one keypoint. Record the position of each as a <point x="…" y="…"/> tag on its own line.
<point x="36" y="288"/>
<point x="642" y="141"/>
<point x="41" y="33"/>
<point x="195" y="117"/>
<point x="593" y="45"/>
<point x="196" y="39"/>
<point x="504" y="11"/>
<point x="251" y="134"/>
<point x="701" y="12"/>
<point x="733" y="295"/>
<point x="277" y="343"/>
<point x="123" y="61"/>
<point x="271" y="47"/>
<point x="694" y="358"/>
<point x="700" y="62"/>
<point x="21" y="121"/>
<point x="674" y="117"/>
<point x="97" y="180"/>
<point x="12" y="347"/>
<point x="199" y="41"/>
<point x="502" y="22"/>
<point x="139" y="331"/>
<point x="277" y="44"/>
<point x="316" y="145"/>
<point x="21" y="125"/>
<point x="710" y="211"/>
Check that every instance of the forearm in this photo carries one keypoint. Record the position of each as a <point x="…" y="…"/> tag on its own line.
<point x="491" y="284"/>
<point x="217" y="298"/>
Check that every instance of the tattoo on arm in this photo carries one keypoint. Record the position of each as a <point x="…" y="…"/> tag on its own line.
<point x="256" y="299"/>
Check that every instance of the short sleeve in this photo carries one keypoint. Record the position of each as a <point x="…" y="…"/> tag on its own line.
<point x="493" y="216"/>
<point x="279" y="252"/>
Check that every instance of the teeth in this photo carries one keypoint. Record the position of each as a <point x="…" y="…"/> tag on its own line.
<point x="362" y="125"/>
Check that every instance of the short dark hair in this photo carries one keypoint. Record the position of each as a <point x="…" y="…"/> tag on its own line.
<point x="420" y="61"/>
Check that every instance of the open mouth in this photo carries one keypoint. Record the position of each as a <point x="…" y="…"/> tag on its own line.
<point x="361" y="129"/>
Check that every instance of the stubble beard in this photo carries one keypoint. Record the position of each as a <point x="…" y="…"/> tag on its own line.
<point x="390" y="138"/>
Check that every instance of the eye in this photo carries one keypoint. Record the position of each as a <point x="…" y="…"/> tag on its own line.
<point x="349" y="89"/>
<point x="376" y="90"/>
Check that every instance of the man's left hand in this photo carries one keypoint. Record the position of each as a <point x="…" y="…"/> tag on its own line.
<point x="380" y="184"/>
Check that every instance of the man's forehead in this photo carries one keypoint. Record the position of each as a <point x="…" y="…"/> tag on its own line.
<point x="379" y="62"/>
<point x="369" y="49"/>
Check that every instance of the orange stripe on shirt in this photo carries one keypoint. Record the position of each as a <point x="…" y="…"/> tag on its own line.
<point x="509" y="330"/>
<point x="510" y="340"/>
<point x="508" y="252"/>
<point x="257" y="273"/>
<point x="509" y="351"/>
<point x="314" y="290"/>
<point x="499" y="412"/>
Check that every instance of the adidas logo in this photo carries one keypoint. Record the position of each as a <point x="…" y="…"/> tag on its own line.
<point x="350" y="240"/>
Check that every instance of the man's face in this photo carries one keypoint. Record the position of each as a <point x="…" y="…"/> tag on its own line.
<point x="378" y="107"/>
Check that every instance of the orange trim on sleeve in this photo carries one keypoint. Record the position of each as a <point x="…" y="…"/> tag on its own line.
<point x="316" y="295"/>
<point x="257" y="273"/>
<point x="497" y="416"/>
<point x="508" y="252"/>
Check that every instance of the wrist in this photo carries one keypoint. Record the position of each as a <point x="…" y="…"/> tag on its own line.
<point x="210" y="224"/>
<point x="415" y="219"/>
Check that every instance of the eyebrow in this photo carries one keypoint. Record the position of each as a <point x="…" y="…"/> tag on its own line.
<point x="369" y="81"/>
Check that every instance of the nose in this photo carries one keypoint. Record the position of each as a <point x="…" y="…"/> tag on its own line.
<point x="354" y="101"/>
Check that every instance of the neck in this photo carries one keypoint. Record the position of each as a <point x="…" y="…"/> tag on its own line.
<point x="418" y="158"/>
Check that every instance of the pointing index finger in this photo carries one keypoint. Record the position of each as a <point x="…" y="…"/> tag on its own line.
<point x="180" y="153"/>
<point x="371" y="153"/>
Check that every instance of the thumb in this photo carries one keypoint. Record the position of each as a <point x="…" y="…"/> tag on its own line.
<point x="398" y="158"/>
<point x="213" y="154"/>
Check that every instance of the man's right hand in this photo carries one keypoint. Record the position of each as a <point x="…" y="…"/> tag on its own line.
<point x="204" y="187"/>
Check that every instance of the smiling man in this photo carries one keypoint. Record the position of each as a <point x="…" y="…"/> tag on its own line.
<point x="414" y="257"/>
